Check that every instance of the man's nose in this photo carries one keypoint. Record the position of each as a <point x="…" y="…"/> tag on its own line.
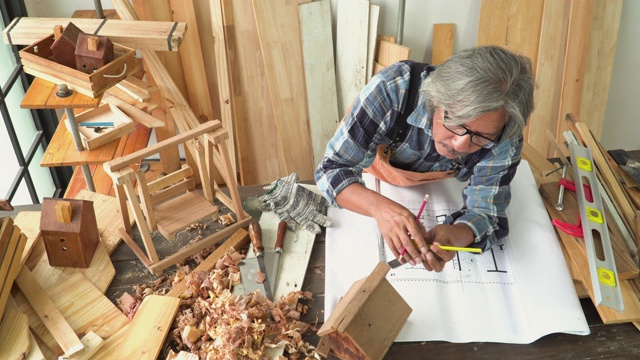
<point x="462" y="143"/>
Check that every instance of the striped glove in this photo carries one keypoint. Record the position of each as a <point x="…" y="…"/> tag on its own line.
<point x="296" y="204"/>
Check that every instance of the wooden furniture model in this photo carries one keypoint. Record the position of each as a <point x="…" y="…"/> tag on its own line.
<point x="93" y="52"/>
<point x="367" y="319"/>
<point x="70" y="232"/>
<point x="170" y="203"/>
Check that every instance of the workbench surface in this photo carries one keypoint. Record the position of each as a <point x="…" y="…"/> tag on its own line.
<point x="613" y="341"/>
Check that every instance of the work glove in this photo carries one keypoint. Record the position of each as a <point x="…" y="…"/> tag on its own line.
<point x="296" y="204"/>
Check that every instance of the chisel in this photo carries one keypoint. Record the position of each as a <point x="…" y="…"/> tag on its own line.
<point x="255" y="233"/>
<point x="279" y="247"/>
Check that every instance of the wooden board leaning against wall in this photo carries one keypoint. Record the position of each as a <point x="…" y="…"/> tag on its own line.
<point x="572" y="45"/>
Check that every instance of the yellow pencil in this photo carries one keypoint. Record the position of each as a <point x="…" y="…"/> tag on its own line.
<point x="457" y="248"/>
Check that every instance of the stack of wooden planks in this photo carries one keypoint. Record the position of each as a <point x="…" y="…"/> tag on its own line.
<point x="621" y="217"/>
<point x="572" y="44"/>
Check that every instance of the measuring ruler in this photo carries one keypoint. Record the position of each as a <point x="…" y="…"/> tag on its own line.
<point x="602" y="265"/>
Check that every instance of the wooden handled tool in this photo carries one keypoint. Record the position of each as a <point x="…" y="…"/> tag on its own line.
<point x="255" y="233"/>
<point x="279" y="247"/>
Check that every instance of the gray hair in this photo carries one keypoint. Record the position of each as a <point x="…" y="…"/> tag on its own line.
<point x="480" y="80"/>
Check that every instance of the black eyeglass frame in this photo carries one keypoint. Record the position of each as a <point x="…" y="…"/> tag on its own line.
<point x="490" y="143"/>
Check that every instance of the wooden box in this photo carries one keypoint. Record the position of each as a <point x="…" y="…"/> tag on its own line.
<point x="367" y="319"/>
<point x="37" y="61"/>
<point x="103" y="113"/>
<point x="69" y="231"/>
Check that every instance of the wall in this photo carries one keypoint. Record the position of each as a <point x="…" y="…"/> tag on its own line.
<point x="420" y="15"/>
<point x="621" y="126"/>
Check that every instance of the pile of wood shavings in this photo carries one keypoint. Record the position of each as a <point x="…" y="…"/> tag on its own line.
<point x="215" y="324"/>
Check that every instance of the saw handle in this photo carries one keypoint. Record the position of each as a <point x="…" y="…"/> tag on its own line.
<point x="282" y="230"/>
<point x="255" y="233"/>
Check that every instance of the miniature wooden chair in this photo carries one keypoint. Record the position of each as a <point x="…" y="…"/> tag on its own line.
<point x="170" y="203"/>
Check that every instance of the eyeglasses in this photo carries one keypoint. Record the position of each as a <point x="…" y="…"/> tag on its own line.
<point x="476" y="139"/>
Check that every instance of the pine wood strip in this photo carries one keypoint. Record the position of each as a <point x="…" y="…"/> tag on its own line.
<point x="160" y="10"/>
<point x="259" y="157"/>
<point x="48" y="313"/>
<point x="12" y="243"/>
<point x="237" y="241"/>
<point x="204" y="20"/>
<point x="192" y="61"/>
<point x="442" y="48"/>
<point x="279" y="31"/>
<point x="135" y="87"/>
<point x="92" y="343"/>
<point x="548" y="89"/>
<point x="149" y="35"/>
<point x="374" y="16"/>
<point x="317" y="47"/>
<point x="14" y="333"/>
<point x="82" y="305"/>
<point x="390" y="53"/>
<point x="352" y="28"/>
<point x="576" y="56"/>
<point x="227" y="116"/>
<point x="149" y="327"/>
<point x="603" y="36"/>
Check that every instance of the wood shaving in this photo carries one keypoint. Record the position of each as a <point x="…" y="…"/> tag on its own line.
<point x="215" y="324"/>
<point x="226" y="219"/>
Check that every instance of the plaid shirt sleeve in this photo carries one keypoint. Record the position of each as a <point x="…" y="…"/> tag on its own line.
<point x="353" y="147"/>
<point x="488" y="194"/>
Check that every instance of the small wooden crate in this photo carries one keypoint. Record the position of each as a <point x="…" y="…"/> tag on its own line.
<point x="104" y="113"/>
<point x="36" y="60"/>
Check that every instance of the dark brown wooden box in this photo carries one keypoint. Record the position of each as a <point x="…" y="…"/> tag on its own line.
<point x="69" y="244"/>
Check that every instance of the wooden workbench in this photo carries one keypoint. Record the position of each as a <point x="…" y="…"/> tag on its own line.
<point x="615" y="341"/>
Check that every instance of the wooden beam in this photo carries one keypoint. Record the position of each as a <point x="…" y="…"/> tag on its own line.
<point x="148" y="35"/>
<point x="48" y="313"/>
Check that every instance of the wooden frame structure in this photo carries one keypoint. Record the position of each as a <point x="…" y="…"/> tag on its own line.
<point x="169" y="203"/>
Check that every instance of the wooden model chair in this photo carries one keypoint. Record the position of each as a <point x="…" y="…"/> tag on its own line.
<point x="170" y="204"/>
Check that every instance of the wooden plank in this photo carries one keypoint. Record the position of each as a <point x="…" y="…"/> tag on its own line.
<point x="149" y="327"/>
<point x="390" y="53"/>
<point x="135" y="87"/>
<point x="576" y="56"/>
<point x="160" y="10"/>
<point x="512" y="24"/>
<point x="48" y="313"/>
<point x="14" y="333"/>
<point x="107" y="212"/>
<point x="237" y="241"/>
<point x="82" y="305"/>
<point x="227" y="116"/>
<point x="603" y="37"/>
<point x="260" y="158"/>
<point x="279" y="30"/>
<point x="204" y="20"/>
<point x="134" y="113"/>
<point x="317" y="47"/>
<point x="192" y="61"/>
<point x="352" y="26"/>
<point x="442" y="48"/>
<point x="149" y="35"/>
<point x="12" y="243"/>
<point x="548" y="89"/>
<point x="374" y="15"/>
<point x="29" y="224"/>
<point x="92" y="343"/>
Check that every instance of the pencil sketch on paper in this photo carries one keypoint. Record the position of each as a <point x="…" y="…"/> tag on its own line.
<point x="491" y="267"/>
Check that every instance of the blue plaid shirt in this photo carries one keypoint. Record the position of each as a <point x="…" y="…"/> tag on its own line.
<point x="354" y="145"/>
